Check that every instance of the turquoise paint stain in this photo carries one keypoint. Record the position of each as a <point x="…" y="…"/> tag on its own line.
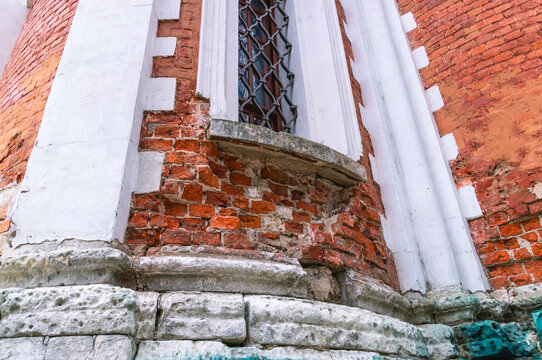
<point x="537" y="319"/>
<point x="486" y="340"/>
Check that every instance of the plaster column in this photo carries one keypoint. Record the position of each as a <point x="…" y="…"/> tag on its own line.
<point x="13" y="15"/>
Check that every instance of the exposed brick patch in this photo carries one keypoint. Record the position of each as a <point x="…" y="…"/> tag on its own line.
<point x="486" y="58"/>
<point x="228" y="204"/>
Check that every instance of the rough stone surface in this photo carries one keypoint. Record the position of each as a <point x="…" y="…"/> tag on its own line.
<point x="188" y="350"/>
<point x="202" y="316"/>
<point x="146" y="314"/>
<point x="525" y="299"/>
<point x="192" y="273"/>
<point x="71" y="267"/>
<point x="440" y="341"/>
<point x="22" y="349"/>
<point x="286" y="321"/>
<point x="69" y="310"/>
<point x="493" y="309"/>
<point x="453" y="306"/>
<point x="329" y="160"/>
<point x="366" y="293"/>
<point x="323" y="286"/>
<point x="113" y="347"/>
<point x="69" y="347"/>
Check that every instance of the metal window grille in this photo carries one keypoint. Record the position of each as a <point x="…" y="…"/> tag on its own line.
<point x="265" y="80"/>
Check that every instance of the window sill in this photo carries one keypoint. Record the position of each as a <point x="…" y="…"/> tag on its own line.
<point x="302" y="155"/>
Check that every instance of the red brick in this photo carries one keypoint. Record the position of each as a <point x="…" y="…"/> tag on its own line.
<point x="155" y="145"/>
<point x="269" y="196"/>
<point x="507" y="244"/>
<point x="183" y="172"/>
<point x="521" y="254"/>
<point x="139" y="219"/>
<point x="4" y="225"/>
<point x="293" y="226"/>
<point x="240" y="202"/>
<point x="163" y="221"/>
<point x="192" y="192"/>
<point x="206" y="238"/>
<point x="218" y="170"/>
<point x="225" y="222"/>
<point x="346" y="220"/>
<point x="275" y="174"/>
<point x="201" y="210"/>
<point x="206" y="177"/>
<point x="193" y="224"/>
<point x="142" y="236"/>
<point x="333" y="258"/>
<point x="531" y="224"/>
<point x="211" y="149"/>
<point x="237" y="241"/>
<point x="302" y="205"/>
<point x="297" y="195"/>
<point x="301" y="217"/>
<point x="536" y="207"/>
<point x="532" y="237"/>
<point x="240" y="179"/>
<point x="233" y="163"/>
<point x="280" y="190"/>
<point x="499" y="283"/>
<point x="498" y="257"/>
<point x="510" y="230"/>
<point x="146" y="202"/>
<point x="177" y="237"/>
<point x="175" y="209"/>
<point x="499" y="218"/>
<point x="217" y="198"/>
<point x="187" y="145"/>
<point x="311" y="254"/>
<point x="520" y="280"/>
<point x="250" y="221"/>
<point x="231" y="189"/>
<point x="262" y="207"/>
<point x="537" y="249"/>
<point x="506" y="270"/>
<point x="227" y="212"/>
<point x="171" y="131"/>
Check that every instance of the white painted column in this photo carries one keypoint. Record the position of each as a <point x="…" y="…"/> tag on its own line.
<point x="419" y="195"/>
<point x="84" y="164"/>
<point x="12" y="17"/>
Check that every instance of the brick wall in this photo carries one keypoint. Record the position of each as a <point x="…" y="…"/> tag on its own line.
<point x="219" y="202"/>
<point x="25" y="86"/>
<point x="485" y="55"/>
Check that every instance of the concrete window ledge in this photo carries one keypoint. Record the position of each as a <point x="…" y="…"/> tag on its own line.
<point x="300" y="155"/>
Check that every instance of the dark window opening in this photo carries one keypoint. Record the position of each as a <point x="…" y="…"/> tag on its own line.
<point x="265" y="82"/>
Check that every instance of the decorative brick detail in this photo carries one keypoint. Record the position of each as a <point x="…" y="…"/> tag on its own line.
<point x="230" y="204"/>
<point x="485" y="57"/>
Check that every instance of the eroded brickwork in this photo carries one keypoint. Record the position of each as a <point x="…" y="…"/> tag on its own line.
<point x="222" y="202"/>
<point x="485" y="56"/>
<point x="25" y="86"/>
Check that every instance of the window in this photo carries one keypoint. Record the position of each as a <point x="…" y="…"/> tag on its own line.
<point x="265" y="81"/>
<point x="267" y="42"/>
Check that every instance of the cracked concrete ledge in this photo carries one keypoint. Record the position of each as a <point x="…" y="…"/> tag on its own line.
<point x="304" y="155"/>
<point x="68" y="267"/>
<point x="200" y="273"/>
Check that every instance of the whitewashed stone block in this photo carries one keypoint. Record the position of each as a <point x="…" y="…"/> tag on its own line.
<point x="69" y="348"/>
<point x="22" y="349"/>
<point x="69" y="310"/>
<point x="202" y="316"/>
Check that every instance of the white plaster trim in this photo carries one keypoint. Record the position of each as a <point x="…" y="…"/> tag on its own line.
<point x="449" y="147"/>
<point x="417" y="186"/>
<point x="434" y="98"/>
<point x="160" y="94"/>
<point x="13" y="15"/>
<point x="420" y="58"/>
<point x="165" y="46"/>
<point x="408" y="22"/>
<point x="470" y="207"/>
<point x="150" y="171"/>
<point x="167" y="9"/>
<point x="79" y="181"/>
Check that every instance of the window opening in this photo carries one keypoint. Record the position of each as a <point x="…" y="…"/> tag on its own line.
<point x="265" y="81"/>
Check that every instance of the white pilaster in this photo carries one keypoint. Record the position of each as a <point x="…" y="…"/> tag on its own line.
<point x="84" y="164"/>
<point x="422" y="209"/>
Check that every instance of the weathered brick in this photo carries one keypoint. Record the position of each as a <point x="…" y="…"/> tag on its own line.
<point x="240" y="179"/>
<point x="178" y="237"/>
<point x="225" y="222"/>
<point x="206" y="238"/>
<point x="201" y="210"/>
<point x="192" y="192"/>
<point x="262" y="207"/>
<point x="250" y="221"/>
